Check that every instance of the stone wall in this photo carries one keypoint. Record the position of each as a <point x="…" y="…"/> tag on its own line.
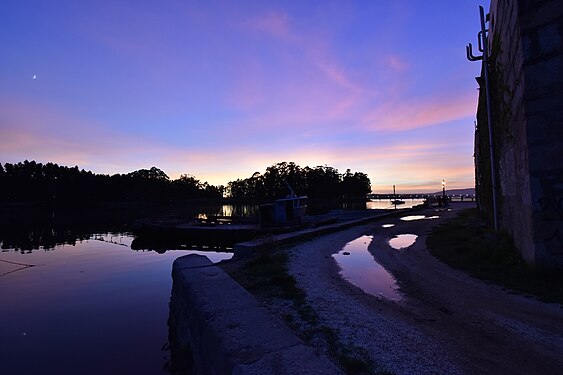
<point x="217" y="327"/>
<point x="526" y="71"/>
<point x="542" y="37"/>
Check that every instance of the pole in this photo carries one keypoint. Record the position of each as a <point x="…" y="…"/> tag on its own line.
<point x="489" y="117"/>
<point x="444" y="199"/>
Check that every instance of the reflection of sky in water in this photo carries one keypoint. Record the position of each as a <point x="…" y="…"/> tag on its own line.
<point x="97" y="303"/>
<point x="385" y="204"/>
<point x="418" y="217"/>
<point x="361" y="269"/>
<point x="402" y="241"/>
<point x="388" y="225"/>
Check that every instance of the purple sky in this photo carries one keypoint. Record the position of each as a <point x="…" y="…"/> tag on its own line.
<point x="222" y="89"/>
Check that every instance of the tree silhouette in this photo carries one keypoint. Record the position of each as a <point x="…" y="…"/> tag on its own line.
<point x="29" y="181"/>
<point x="36" y="182"/>
<point x="322" y="182"/>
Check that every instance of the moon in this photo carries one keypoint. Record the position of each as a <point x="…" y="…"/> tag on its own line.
<point x="35" y="76"/>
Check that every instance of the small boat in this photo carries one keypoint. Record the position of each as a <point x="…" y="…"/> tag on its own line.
<point x="396" y="201"/>
<point x="282" y="216"/>
<point x="289" y="211"/>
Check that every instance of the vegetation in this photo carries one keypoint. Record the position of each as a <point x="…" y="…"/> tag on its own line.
<point x="466" y="244"/>
<point x="36" y="182"/>
<point x="318" y="183"/>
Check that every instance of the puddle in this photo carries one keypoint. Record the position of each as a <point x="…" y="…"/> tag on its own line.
<point x="387" y="225"/>
<point x="360" y="268"/>
<point x="402" y="241"/>
<point x="418" y="217"/>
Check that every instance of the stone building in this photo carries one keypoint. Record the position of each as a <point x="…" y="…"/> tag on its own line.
<point x="526" y="87"/>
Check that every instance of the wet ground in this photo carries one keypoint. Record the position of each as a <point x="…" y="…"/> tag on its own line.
<point x="445" y="323"/>
<point x="358" y="266"/>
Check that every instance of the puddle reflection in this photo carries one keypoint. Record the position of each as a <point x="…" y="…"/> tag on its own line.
<point x="360" y="268"/>
<point x="402" y="241"/>
<point x="418" y="217"/>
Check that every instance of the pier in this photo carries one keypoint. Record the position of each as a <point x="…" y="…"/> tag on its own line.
<point x="451" y="197"/>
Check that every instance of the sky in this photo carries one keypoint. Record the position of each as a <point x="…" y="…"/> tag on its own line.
<point x="222" y="89"/>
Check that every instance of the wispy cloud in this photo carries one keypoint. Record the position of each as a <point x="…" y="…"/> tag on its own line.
<point x="416" y="113"/>
<point x="24" y="135"/>
<point x="273" y="22"/>
<point x="396" y="63"/>
<point x="310" y="51"/>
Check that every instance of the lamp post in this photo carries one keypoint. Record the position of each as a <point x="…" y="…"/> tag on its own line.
<point x="444" y="199"/>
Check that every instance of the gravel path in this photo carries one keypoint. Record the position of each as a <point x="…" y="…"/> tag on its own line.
<point x="446" y="323"/>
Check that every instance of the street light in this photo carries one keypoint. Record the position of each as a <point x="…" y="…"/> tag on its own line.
<point x="444" y="199"/>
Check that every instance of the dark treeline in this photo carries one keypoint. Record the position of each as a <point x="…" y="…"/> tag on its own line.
<point x="317" y="183"/>
<point x="30" y="181"/>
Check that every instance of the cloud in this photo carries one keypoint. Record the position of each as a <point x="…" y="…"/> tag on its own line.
<point x="396" y="116"/>
<point x="396" y="63"/>
<point x="308" y="52"/>
<point x="272" y="22"/>
<point x="96" y="148"/>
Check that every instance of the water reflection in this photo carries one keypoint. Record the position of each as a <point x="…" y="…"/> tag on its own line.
<point x="165" y="242"/>
<point x="28" y="229"/>
<point x="402" y="241"/>
<point x="418" y="217"/>
<point x="360" y="268"/>
<point x="388" y="225"/>
<point x="121" y="239"/>
<point x="234" y="210"/>
<point x="95" y="301"/>
<point x="385" y="204"/>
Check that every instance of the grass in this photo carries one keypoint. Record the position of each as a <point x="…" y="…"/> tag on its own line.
<point x="464" y="243"/>
<point x="266" y="274"/>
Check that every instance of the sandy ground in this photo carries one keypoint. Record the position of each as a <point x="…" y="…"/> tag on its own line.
<point x="446" y="323"/>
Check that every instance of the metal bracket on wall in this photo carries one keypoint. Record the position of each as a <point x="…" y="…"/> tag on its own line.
<point x="469" y="51"/>
<point x="483" y="47"/>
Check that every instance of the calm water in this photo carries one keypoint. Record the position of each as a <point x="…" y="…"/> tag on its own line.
<point x="97" y="307"/>
<point x="361" y="269"/>
<point x="385" y="204"/>
<point x="91" y="305"/>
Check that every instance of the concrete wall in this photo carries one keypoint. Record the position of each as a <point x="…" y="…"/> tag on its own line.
<point x="216" y="327"/>
<point x="526" y="71"/>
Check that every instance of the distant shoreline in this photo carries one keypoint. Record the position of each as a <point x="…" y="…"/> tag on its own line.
<point x="463" y="191"/>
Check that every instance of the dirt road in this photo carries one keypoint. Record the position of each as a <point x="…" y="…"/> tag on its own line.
<point x="446" y="322"/>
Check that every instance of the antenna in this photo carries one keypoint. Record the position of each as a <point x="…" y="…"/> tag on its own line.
<point x="291" y="192"/>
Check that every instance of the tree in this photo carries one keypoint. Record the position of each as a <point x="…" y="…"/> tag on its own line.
<point x="150" y="174"/>
<point x="320" y="182"/>
<point x="355" y="185"/>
